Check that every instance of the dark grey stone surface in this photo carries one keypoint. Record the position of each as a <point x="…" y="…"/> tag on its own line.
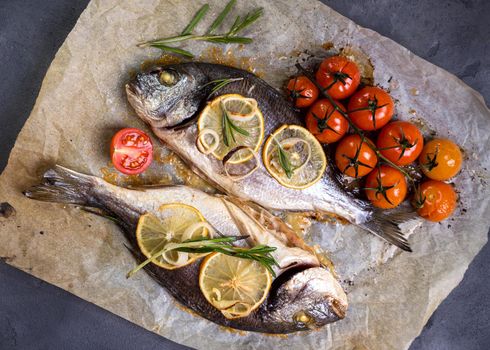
<point x="454" y="34"/>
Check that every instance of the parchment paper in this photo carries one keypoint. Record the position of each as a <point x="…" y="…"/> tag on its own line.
<point x="82" y="103"/>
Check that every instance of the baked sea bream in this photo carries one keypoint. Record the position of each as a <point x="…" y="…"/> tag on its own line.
<point x="304" y="294"/>
<point x="169" y="98"/>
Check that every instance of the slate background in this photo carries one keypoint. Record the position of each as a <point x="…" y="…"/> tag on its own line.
<point x="453" y="34"/>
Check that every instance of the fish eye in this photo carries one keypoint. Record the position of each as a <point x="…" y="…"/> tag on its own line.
<point x="168" y="78"/>
<point x="303" y="318"/>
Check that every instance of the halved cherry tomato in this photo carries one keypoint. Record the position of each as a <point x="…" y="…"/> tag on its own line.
<point x="325" y="122"/>
<point x="401" y="142"/>
<point x="302" y="91"/>
<point x="386" y="187"/>
<point x="354" y="157"/>
<point x="437" y="200"/>
<point x="339" y="76"/>
<point x="131" y="151"/>
<point x="371" y="108"/>
<point x="441" y="159"/>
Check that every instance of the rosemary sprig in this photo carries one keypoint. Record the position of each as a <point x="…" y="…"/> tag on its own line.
<point x="259" y="253"/>
<point x="220" y="83"/>
<point x="284" y="161"/>
<point x="229" y="128"/>
<point x="230" y="37"/>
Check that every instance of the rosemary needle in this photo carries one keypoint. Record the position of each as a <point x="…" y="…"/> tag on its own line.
<point x="284" y="160"/>
<point x="196" y="19"/>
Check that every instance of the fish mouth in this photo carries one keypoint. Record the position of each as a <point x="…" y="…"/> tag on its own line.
<point x="134" y="95"/>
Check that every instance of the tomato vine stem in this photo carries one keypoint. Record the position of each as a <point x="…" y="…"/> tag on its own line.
<point x="354" y="127"/>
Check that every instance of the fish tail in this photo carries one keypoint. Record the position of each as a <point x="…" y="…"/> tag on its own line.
<point x="386" y="226"/>
<point x="62" y="185"/>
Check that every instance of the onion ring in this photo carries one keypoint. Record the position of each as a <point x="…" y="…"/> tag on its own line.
<point x="181" y="260"/>
<point x="243" y="117"/>
<point x="200" y="144"/>
<point x="189" y="232"/>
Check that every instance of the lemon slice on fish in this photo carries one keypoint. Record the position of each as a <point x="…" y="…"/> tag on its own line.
<point x="175" y="223"/>
<point x="235" y="286"/>
<point x="294" y="157"/>
<point x="228" y="122"/>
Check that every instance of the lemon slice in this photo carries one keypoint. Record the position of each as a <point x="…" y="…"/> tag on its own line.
<point x="300" y="150"/>
<point x="177" y="223"/>
<point x="235" y="286"/>
<point x="243" y="113"/>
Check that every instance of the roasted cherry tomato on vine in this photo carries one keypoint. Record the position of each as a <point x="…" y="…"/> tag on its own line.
<point x="354" y="157"/>
<point x="302" y="91"/>
<point x="436" y="200"/>
<point x="441" y="159"/>
<point x="339" y="76"/>
<point x="401" y="142"/>
<point x="386" y="187"/>
<point x="371" y="108"/>
<point x="131" y="151"/>
<point x="325" y="122"/>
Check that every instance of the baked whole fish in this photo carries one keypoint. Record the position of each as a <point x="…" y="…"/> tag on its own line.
<point x="168" y="96"/>
<point x="304" y="296"/>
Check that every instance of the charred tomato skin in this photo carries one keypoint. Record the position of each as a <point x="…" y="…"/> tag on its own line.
<point x="441" y="159"/>
<point x="406" y="136"/>
<point x="325" y="122"/>
<point x="339" y="76"/>
<point x="131" y="151"/>
<point x="390" y="185"/>
<point x="439" y="200"/>
<point x="302" y="91"/>
<point x="352" y="153"/>
<point x="371" y="108"/>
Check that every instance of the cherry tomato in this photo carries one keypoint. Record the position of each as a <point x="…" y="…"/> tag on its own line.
<point x="386" y="187"/>
<point x="368" y="102"/>
<point x="339" y="76"/>
<point x="302" y="91"/>
<point x="354" y="157"/>
<point x="325" y="122"/>
<point x="131" y="151"/>
<point x="400" y="142"/>
<point x="441" y="159"/>
<point x="438" y="200"/>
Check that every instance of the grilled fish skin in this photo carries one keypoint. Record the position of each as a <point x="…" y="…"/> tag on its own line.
<point x="166" y="96"/>
<point x="304" y="296"/>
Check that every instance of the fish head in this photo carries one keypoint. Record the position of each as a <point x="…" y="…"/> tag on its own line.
<point x="306" y="299"/>
<point x="165" y="96"/>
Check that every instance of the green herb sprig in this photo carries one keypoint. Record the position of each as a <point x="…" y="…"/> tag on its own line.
<point x="220" y="83"/>
<point x="284" y="161"/>
<point x="229" y="128"/>
<point x="259" y="253"/>
<point x="230" y="37"/>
